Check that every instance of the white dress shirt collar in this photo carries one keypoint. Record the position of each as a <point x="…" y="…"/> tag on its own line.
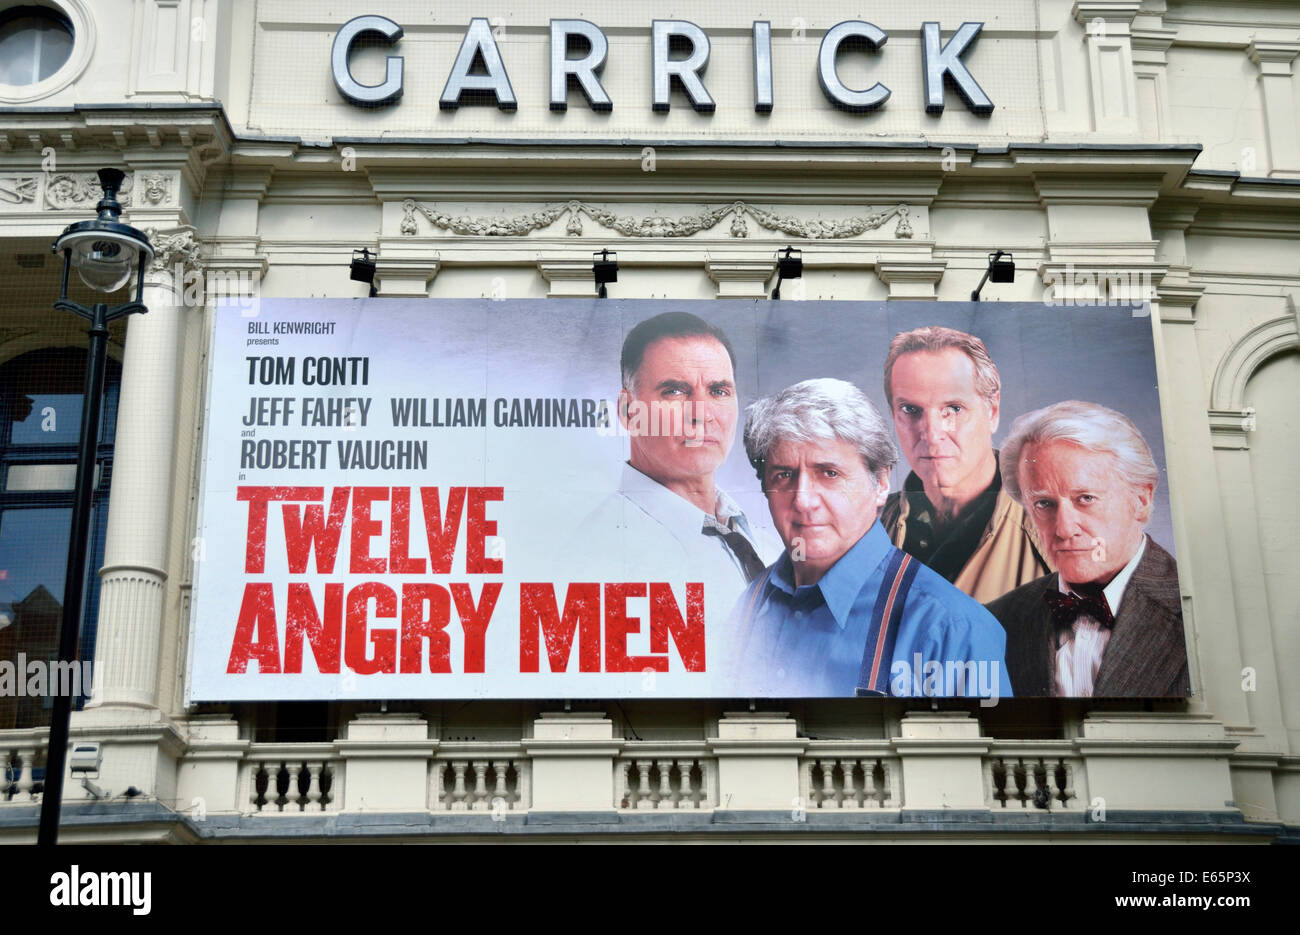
<point x="677" y="513"/>
<point x="1115" y="590"/>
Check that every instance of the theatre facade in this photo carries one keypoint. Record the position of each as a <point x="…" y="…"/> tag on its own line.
<point x="1138" y="159"/>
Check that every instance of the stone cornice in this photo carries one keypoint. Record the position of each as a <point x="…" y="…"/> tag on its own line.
<point x="1111" y="12"/>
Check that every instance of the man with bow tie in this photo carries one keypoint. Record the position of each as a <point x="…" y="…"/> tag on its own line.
<point x="1108" y="622"/>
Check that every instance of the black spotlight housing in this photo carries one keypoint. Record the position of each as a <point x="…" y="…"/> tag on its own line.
<point x="999" y="270"/>
<point x="604" y="269"/>
<point x="789" y="265"/>
<point x="363" y="268"/>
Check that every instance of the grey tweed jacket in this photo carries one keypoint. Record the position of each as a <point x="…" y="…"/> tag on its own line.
<point x="1147" y="653"/>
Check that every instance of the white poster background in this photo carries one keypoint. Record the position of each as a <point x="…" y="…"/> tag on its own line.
<point x="552" y="477"/>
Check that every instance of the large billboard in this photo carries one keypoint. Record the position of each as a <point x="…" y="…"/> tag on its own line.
<point x="604" y="499"/>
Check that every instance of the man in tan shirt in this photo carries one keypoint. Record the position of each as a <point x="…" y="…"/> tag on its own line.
<point x="944" y="395"/>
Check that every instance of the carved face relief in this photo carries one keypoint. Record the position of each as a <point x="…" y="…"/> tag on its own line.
<point x="155" y="189"/>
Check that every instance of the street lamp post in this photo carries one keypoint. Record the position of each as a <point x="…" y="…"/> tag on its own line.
<point x="104" y="252"/>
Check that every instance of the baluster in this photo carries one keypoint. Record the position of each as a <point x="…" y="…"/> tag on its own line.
<point x="294" y="800"/>
<point x="828" y="784"/>
<point x="256" y="771"/>
<point x="26" y="758"/>
<point x="481" y="803"/>
<point x="704" y="796"/>
<point x="625" y="766"/>
<point x="643" y="786"/>
<point x="273" y="786"/>
<point x="687" y="792"/>
<point x="439" y="785"/>
<point x="850" y="798"/>
<point x="290" y="787"/>
<point x="272" y="797"/>
<point x="501" y="767"/>
<point x="873" y="783"/>
<point x="313" y="788"/>
<point x="458" y="803"/>
<point x="665" y="784"/>
<point x="1020" y="782"/>
<point x="1067" y="786"/>
<point x="1042" y="785"/>
<point x="808" y="787"/>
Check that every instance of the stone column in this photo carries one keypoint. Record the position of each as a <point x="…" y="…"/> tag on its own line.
<point x="1108" y="25"/>
<point x="1276" y="83"/>
<point x="1151" y="42"/>
<point x="139" y="507"/>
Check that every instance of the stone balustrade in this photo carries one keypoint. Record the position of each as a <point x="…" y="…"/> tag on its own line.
<point x="659" y="777"/>
<point x="838" y="776"/>
<point x="939" y="762"/>
<point x="482" y="783"/>
<point x="22" y="760"/>
<point x="1022" y="776"/>
<point x="291" y="779"/>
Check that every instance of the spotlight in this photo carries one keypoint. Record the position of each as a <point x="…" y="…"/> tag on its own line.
<point x="789" y="265"/>
<point x="604" y="268"/>
<point x="999" y="270"/>
<point x="363" y="268"/>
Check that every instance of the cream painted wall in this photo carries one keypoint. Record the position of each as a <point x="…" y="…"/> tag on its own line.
<point x="295" y="211"/>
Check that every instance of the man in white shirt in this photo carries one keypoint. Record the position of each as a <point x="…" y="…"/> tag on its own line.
<point x="669" y="521"/>
<point x="1108" y="622"/>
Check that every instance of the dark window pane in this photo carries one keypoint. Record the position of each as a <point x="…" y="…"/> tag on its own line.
<point x="33" y="45"/>
<point x="33" y="556"/>
<point x="54" y="419"/>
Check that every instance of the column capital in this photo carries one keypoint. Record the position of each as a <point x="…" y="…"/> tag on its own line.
<point x="172" y="248"/>
<point x="1273" y="57"/>
<point x="1111" y="12"/>
<point x="1230" y="428"/>
<point x="1178" y="298"/>
<point x="741" y="279"/>
<point x="911" y="279"/>
<point x="1111" y="189"/>
<point x="568" y="278"/>
<point x="1174" y="213"/>
<point x="404" y="276"/>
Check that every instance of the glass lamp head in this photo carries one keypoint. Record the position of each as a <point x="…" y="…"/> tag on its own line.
<point x="105" y="252"/>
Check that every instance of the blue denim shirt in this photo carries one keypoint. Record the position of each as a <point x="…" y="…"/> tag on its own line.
<point x="791" y="642"/>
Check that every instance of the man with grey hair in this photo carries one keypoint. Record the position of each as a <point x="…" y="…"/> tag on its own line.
<point x="1109" y="621"/>
<point x="843" y="612"/>
<point x="944" y="394"/>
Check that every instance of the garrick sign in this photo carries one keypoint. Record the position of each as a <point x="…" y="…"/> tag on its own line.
<point x="680" y="55"/>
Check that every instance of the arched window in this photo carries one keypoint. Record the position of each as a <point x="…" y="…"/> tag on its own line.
<point x="40" y="419"/>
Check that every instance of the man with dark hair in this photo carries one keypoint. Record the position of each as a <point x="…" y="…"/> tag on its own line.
<point x="669" y="521"/>
<point x="944" y="395"/>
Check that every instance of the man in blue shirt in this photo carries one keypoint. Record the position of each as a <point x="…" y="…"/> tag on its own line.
<point x="843" y="612"/>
